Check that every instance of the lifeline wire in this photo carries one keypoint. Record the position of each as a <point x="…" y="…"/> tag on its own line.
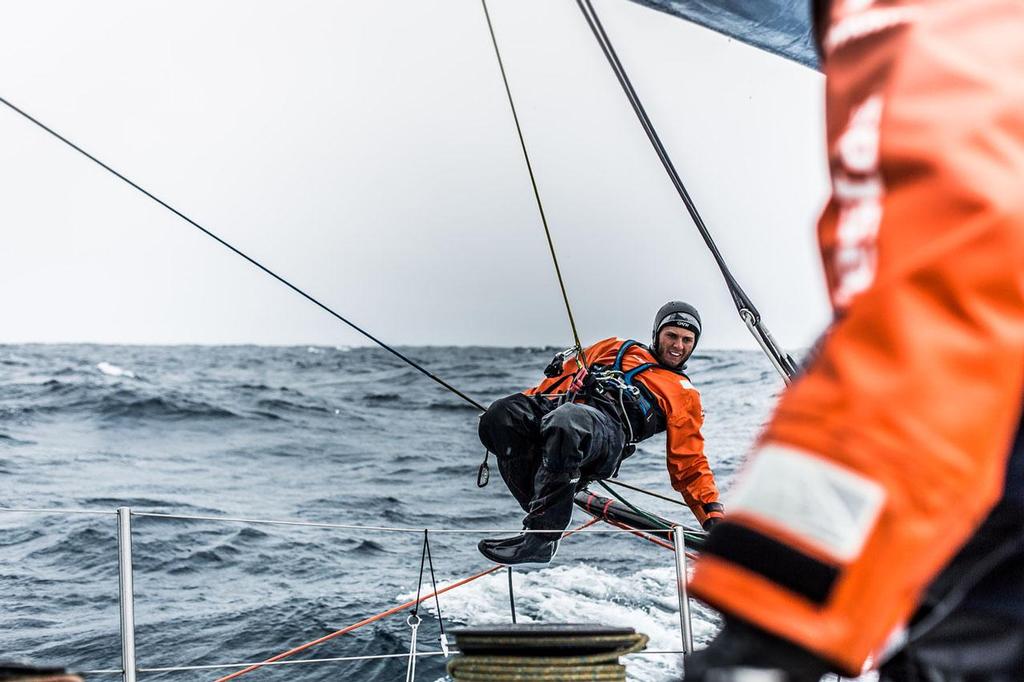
<point x="342" y="526"/>
<point x="253" y="261"/>
<point x="536" y="192"/>
<point x="744" y="305"/>
<point x="307" y="661"/>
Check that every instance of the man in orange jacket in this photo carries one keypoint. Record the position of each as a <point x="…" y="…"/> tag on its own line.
<point x="883" y="508"/>
<point x="578" y="425"/>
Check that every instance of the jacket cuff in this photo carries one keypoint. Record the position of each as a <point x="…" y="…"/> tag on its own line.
<point x="708" y="510"/>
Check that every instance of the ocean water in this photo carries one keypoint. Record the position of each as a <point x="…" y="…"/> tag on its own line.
<point x="321" y="434"/>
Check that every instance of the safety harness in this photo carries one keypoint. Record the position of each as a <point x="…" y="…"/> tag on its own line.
<point x="631" y="403"/>
<point x="613" y="391"/>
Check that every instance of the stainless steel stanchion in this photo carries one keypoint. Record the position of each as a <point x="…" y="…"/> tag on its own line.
<point x="126" y="592"/>
<point x="686" y="627"/>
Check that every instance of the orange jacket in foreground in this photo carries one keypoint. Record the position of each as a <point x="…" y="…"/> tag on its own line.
<point x="881" y="460"/>
<point x="679" y="401"/>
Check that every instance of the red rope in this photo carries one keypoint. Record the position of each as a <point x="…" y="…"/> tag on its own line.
<point x="382" y="614"/>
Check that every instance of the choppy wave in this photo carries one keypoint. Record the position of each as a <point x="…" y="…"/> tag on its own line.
<point x="457" y="405"/>
<point x="280" y="406"/>
<point x="12" y="361"/>
<point x="382" y="397"/>
<point x="130" y="405"/>
<point x="344" y="436"/>
<point x="57" y="397"/>
<point x="11" y="440"/>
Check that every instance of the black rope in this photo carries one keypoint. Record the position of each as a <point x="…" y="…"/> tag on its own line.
<point x="533" y="182"/>
<point x="651" y="493"/>
<point x="433" y="581"/>
<point x="657" y="522"/>
<point x="419" y="581"/>
<point x="511" y="596"/>
<point x="609" y="52"/>
<point x="744" y="305"/>
<point x="253" y="261"/>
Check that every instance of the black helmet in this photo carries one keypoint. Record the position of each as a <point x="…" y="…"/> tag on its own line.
<point x="677" y="314"/>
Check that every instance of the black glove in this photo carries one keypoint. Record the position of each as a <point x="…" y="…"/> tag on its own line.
<point x="741" y="647"/>
<point x="710" y="522"/>
<point x="713" y="511"/>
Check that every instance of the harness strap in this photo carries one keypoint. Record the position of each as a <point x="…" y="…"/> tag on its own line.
<point x="627" y="380"/>
<point x="645" y="404"/>
<point x="628" y="376"/>
<point x="617" y="366"/>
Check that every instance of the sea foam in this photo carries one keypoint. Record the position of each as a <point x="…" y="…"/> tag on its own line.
<point x="643" y="600"/>
<point x="115" y="371"/>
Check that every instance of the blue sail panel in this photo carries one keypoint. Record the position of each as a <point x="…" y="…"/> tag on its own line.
<point x="782" y="27"/>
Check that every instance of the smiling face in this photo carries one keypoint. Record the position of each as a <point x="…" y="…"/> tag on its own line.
<point x="674" y="346"/>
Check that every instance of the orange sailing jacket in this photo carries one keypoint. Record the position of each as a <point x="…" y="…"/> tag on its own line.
<point x="678" y="400"/>
<point x="891" y="448"/>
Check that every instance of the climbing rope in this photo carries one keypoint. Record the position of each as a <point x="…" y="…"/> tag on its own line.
<point x="536" y="192"/>
<point x="483" y="473"/>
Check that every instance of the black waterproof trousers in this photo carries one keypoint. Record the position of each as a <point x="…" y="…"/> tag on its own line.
<point x="544" y="450"/>
<point x="970" y="626"/>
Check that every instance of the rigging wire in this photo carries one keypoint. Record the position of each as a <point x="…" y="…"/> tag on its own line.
<point x="412" y="363"/>
<point x="536" y="192"/>
<point x="748" y="312"/>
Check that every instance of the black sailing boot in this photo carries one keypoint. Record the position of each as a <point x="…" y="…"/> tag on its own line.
<point x="499" y="542"/>
<point x="528" y="548"/>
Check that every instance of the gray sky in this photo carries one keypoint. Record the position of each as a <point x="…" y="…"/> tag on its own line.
<point x="366" y="151"/>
